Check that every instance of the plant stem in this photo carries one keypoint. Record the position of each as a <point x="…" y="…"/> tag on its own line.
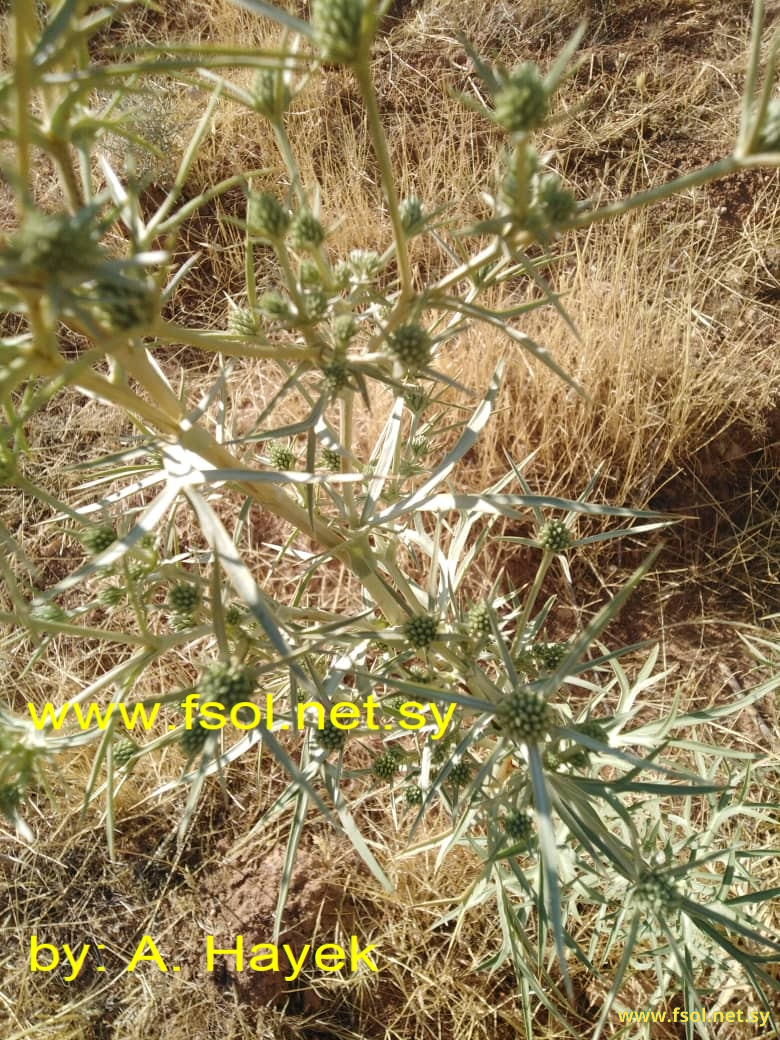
<point x="375" y="129"/>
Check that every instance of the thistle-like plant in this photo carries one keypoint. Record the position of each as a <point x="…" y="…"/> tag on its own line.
<point x="562" y="804"/>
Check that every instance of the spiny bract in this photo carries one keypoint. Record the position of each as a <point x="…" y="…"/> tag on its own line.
<point x="227" y="684"/>
<point x="421" y="631"/>
<point x="525" y="717"/>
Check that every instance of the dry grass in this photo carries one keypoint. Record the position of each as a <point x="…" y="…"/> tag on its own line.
<point x="677" y="316"/>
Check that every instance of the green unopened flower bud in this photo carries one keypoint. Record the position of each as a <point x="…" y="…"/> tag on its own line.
<point x="460" y="774"/>
<point x="124" y="752"/>
<point x="336" y="377"/>
<point x="242" y="322"/>
<point x="769" y="136"/>
<point x="411" y="344"/>
<point x="125" y="304"/>
<point x="524" y="716"/>
<point x="412" y="218"/>
<point x="309" y="274"/>
<point x="554" y="204"/>
<point x="554" y="537"/>
<point x="550" y="655"/>
<point x="421" y="630"/>
<point x="266" y="218"/>
<point x="413" y="795"/>
<point x="344" y="329"/>
<point x="270" y="94"/>
<point x="59" y="243"/>
<point x="521" y="102"/>
<point x="111" y="596"/>
<point x="342" y="28"/>
<point x="97" y="539"/>
<point x="194" y="739"/>
<point x="305" y="231"/>
<point x="315" y="304"/>
<point x="274" y="305"/>
<point x="363" y="265"/>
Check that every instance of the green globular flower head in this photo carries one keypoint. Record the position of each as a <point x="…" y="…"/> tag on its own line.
<point x="413" y="795"/>
<point x="111" y="596"/>
<point x="275" y="306"/>
<point x="478" y="621"/>
<point x="344" y="329"/>
<point x="342" y="29"/>
<point x="550" y="655"/>
<point x="266" y="218"/>
<point x="554" y="537"/>
<point x="124" y="752"/>
<point x="58" y="243"/>
<point x="519" y="826"/>
<point x="331" y="459"/>
<point x="194" y="739"/>
<point x="184" y="597"/>
<point x="305" y="231"/>
<point x="460" y="773"/>
<point x="521" y="101"/>
<point x="227" y="684"/>
<point x="656" y="893"/>
<point x="524" y="716"/>
<point x="97" y="539"/>
<point x="385" y="766"/>
<point x="126" y="303"/>
<point x="281" y="457"/>
<point x="330" y="737"/>
<point x="421" y="630"/>
<point x="336" y="377"/>
<point x="411" y="345"/>
<point x="553" y="203"/>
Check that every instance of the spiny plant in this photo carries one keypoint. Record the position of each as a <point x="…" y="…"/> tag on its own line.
<point x="546" y="772"/>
